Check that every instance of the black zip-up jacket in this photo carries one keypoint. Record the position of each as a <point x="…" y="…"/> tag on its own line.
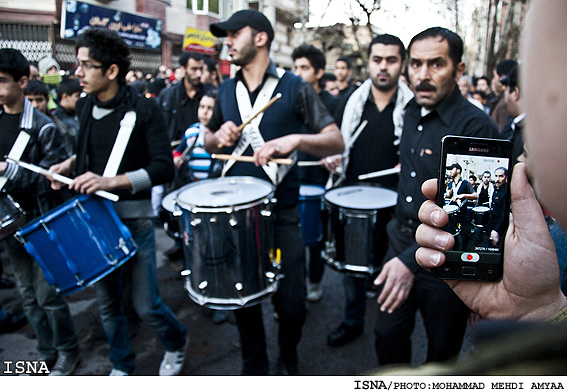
<point x="45" y="148"/>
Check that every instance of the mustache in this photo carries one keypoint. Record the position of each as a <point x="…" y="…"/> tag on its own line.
<point x="425" y="87"/>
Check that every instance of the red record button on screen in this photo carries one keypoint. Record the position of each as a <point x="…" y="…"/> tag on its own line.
<point x="470" y="257"/>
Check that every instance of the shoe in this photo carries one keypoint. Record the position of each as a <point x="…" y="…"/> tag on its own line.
<point x="173" y="361"/>
<point x="117" y="372"/>
<point x="314" y="292"/>
<point x="174" y="253"/>
<point x="65" y="364"/>
<point x="344" y="334"/>
<point x="6" y="283"/>
<point x="286" y="369"/>
<point x="13" y="322"/>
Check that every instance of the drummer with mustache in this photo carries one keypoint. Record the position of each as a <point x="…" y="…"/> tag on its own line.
<point x="275" y="132"/>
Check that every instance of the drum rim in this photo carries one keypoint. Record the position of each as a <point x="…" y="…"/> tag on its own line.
<point x="365" y="210"/>
<point x="226" y="208"/>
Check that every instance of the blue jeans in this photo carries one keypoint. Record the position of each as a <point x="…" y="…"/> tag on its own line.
<point x="145" y="299"/>
<point x="46" y="311"/>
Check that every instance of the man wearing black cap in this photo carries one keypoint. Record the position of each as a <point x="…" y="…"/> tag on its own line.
<point x="460" y="192"/>
<point x="248" y="37"/>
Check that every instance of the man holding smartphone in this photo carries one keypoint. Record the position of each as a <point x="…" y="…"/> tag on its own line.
<point x="437" y="110"/>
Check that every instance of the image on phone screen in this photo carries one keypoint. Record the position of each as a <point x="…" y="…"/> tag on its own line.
<point x="474" y="191"/>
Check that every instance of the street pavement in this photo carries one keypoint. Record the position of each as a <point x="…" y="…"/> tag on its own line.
<point x="213" y="349"/>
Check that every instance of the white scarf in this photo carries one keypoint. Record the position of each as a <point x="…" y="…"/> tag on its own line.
<point x="353" y="114"/>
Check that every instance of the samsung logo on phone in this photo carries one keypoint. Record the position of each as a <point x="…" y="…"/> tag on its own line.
<point x="477" y="149"/>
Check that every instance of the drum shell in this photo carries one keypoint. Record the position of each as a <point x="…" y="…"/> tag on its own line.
<point x="481" y="216"/>
<point x="78" y="243"/>
<point x="350" y="234"/>
<point x="310" y="207"/>
<point x="229" y="254"/>
<point x="12" y="217"/>
<point x="453" y="225"/>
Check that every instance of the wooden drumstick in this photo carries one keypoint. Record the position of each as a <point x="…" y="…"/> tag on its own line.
<point x="247" y="158"/>
<point x="379" y="173"/>
<point x="245" y="123"/>
<point x="59" y="177"/>
<point x="308" y="163"/>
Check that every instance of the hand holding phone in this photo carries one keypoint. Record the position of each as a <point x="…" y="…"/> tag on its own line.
<point x="529" y="289"/>
<point x="478" y="212"/>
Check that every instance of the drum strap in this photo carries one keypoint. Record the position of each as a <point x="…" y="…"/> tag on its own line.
<point x="17" y="151"/>
<point x="126" y="126"/>
<point x="251" y="133"/>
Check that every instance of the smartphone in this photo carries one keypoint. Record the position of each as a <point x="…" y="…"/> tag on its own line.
<point x="474" y="178"/>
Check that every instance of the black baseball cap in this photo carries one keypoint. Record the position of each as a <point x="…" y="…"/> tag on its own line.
<point x="455" y="166"/>
<point x="243" y="18"/>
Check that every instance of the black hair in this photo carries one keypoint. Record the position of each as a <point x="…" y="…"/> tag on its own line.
<point x="327" y="77"/>
<point x="510" y="80"/>
<point x="482" y="94"/>
<point x="502" y="168"/>
<point x="185" y="56"/>
<point x="314" y="55"/>
<point x="453" y="40"/>
<point x="487" y="172"/>
<point x="473" y="177"/>
<point x="388" y="39"/>
<point x="504" y="67"/>
<point x="483" y="77"/>
<point x="211" y="93"/>
<point x="345" y="60"/>
<point x="69" y="87"/>
<point x="36" y="87"/>
<point x="14" y="63"/>
<point x="106" y="47"/>
<point x="210" y="64"/>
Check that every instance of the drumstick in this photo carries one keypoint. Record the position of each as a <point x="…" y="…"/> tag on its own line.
<point x="59" y="177"/>
<point x="247" y="158"/>
<point x="379" y="173"/>
<point x="309" y="163"/>
<point x="245" y="123"/>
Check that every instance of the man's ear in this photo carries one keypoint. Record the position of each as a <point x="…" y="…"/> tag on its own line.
<point x="261" y="39"/>
<point x="460" y="71"/>
<point x="112" y="72"/>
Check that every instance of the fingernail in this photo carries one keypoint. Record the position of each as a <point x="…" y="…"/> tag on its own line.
<point x="441" y="240"/>
<point x="435" y="216"/>
<point x="435" y="258"/>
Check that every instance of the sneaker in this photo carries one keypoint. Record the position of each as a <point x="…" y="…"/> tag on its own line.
<point x="173" y="361"/>
<point x="314" y="292"/>
<point x="65" y="364"/>
<point x="117" y="372"/>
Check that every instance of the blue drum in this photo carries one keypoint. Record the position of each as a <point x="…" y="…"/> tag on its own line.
<point x="310" y="199"/>
<point x="78" y="243"/>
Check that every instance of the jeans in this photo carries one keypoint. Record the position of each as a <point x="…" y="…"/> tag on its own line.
<point x="145" y="299"/>
<point x="289" y="301"/>
<point x="46" y="311"/>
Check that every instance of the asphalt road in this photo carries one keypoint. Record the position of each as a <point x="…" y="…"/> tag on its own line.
<point x="214" y="349"/>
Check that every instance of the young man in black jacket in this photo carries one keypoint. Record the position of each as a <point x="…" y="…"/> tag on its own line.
<point x="47" y="312"/>
<point x="103" y="60"/>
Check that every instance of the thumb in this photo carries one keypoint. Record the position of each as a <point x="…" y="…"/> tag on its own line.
<point x="524" y="205"/>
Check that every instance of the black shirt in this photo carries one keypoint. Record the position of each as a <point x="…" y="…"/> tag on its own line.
<point x="420" y="152"/>
<point x="374" y="148"/>
<point x="483" y="198"/>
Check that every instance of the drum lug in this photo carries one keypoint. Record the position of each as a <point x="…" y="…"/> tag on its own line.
<point x="186" y="273"/>
<point x="233" y="222"/>
<point x="195" y="222"/>
<point x="238" y="286"/>
<point x="213" y="219"/>
<point x="266" y="213"/>
<point x="122" y="246"/>
<point x="203" y="285"/>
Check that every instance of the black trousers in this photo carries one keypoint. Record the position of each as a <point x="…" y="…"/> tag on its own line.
<point x="444" y="314"/>
<point x="289" y="301"/>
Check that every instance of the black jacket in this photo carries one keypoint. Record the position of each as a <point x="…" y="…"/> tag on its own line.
<point x="45" y="148"/>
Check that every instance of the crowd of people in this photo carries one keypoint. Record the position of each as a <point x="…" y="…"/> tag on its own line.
<point x="171" y="122"/>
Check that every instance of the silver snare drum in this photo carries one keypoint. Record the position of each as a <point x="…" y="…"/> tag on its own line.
<point x="11" y="215"/>
<point x="352" y="213"/>
<point x="228" y="239"/>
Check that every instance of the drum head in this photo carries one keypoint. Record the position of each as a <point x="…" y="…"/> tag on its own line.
<point x="450" y="208"/>
<point x="311" y="190"/>
<point x="481" y="209"/>
<point x="224" y="192"/>
<point x="362" y="197"/>
<point x="168" y="202"/>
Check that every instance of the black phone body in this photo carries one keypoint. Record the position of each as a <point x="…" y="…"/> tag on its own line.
<point x="478" y="224"/>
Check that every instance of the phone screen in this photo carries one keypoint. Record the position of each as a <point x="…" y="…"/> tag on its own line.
<point x="474" y="191"/>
